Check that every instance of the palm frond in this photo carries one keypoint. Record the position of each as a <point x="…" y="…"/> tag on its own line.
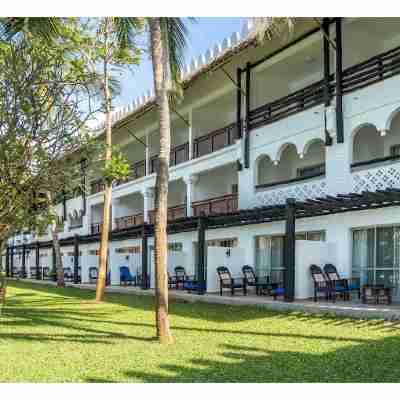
<point x="265" y="28"/>
<point x="127" y="29"/>
<point x="46" y="28"/>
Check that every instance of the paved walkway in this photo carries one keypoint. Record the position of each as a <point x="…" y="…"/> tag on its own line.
<point x="349" y="309"/>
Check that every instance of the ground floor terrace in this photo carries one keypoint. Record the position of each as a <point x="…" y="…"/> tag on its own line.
<point x="358" y="234"/>
<point x="70" y="338"/>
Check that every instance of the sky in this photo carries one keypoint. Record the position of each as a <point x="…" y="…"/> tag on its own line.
<point x="203" y="34"/>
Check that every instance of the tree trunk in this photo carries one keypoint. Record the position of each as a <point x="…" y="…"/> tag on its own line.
<point x="56" y="245"/>
<point x="161" y="191"/>
<point x="102" y="276"/>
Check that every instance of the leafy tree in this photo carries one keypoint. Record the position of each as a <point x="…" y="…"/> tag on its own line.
<point x="42" y="124"/>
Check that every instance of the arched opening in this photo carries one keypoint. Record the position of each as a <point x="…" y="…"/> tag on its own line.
<point x="291" y="167"/>
<point x="367" y="145"/>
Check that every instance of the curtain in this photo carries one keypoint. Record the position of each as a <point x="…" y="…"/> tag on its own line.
<point x="263" y="256"/>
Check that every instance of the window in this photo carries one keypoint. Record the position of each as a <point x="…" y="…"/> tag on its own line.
<point x="376" y="256"/>
<point x="235" y="188"/>
<point x="312" y="235"/>
<point x="310" y="171"/>
<point x="129" y="250"/>
<point x="395" y="150"/>
<point x="171" y="247"/>
<point x="222" y="242"/>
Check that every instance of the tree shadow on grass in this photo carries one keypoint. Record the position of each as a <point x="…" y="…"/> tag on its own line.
<point x="374" y="361"/>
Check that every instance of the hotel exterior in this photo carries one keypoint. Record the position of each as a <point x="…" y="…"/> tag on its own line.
<point x="284" y="154"/>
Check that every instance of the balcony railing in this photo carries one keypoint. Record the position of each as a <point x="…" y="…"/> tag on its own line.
<point x="96" y="228"/>
<point x="218" y="205"/>
<point x="215" y="140"/>
<point x="174" y="213"/>
<point x="97" y="186"/>
<point x="179" y="154"/>
<point x="375" y="69"/>
<point x="295" y="102"/>
<point x="128" y="221"/>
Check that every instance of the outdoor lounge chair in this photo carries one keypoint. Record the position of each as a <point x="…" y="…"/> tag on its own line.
<point x="181" y="277"/>
<point x="93" y="274"/>
<point x="343" y="285"/>
<point x="321" y="283"/>
<point x="252" y="280"/>
<point x="226" y="281"/>
<point x="3" y="291"/>
<point x="125" y="276"/>
<point x="171" y="281"/>
<point x="68" y="275"/>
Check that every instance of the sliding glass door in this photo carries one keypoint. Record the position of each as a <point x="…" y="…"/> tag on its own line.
<point x="376" y="254"/>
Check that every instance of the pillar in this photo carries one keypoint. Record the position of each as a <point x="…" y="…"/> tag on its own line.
<point x="148" y="195"/>
<point x="76" y="259"/>
<point x="201" y="255"/>
<point x="23" y="266"/>
<point x="38" y="277"/>
<point x="8" y="261"/>
<point x="190" y="182"/>
<point x="145" y="259"/>
<point x="190" y="134"/>
<point x="339" y="74"/>
<point x="290" y="249"/>
<point x="11" y="269"/>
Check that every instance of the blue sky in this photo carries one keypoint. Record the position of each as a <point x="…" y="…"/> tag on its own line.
<point x="204" y="33"/>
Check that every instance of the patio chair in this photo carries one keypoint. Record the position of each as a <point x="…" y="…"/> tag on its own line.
<point x="180" y="277"/>
<point x="171" y="281"/>
<point x="346" y="285"/>
<point x="3" y="290"/>
<point x="321" y="283"/>
<point x="251" y="279"/>
<point x="46" y="274"/>
<point x="93" y="274"/>
<point x="125" y="276"/>
<point x="68" y="275"/>
<point x="226" y="281"/>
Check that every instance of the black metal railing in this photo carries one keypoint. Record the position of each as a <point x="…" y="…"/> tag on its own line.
<point x="374" y="161"/>
<point x="215" y="140"/>
<point x="290" y="181"/>
<point x="300" y="100"/>
<point x="375" y="69"/>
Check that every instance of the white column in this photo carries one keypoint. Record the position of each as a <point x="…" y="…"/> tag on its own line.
<point x="114" y="207"/>
<point x="148" y="195"/>
<point x="147" y="154"/>
<point x="190" y="182"/>
<point x="190" y="132"/>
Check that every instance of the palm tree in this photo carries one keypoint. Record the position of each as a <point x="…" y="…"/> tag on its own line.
<point x="167" y="43"/>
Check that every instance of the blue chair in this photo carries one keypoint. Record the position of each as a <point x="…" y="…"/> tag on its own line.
<point x="125" y="276"/>
<point x="193" y="285"/>
<point x="342" y="286"/>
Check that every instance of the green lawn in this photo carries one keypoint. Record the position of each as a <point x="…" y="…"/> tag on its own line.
<point x="51" y="335"/>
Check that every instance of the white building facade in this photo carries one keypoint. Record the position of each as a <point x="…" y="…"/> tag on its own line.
<point x="307" y="119"/>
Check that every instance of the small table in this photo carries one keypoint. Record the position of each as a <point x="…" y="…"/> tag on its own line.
<point x="376" y="294"/>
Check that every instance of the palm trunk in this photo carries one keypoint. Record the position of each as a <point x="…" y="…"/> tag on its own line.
<point x="56" y="245"/>
<point x="102" y="276"/>
<point x="161" y="193"/>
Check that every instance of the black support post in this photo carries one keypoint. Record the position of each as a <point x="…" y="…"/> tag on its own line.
<point x="145" y="281"/>
<point x="339" y="75"/>
<point x="76" y="259"/>
<point x="54" y="263"/>
<point x="327" y="78"/>
<point x="247" y="133"/>
<point x="23" y="266"/>
<point x="239" y="102"/>
<point x="290" y="249"/>
<point x="8" y="261"/>
<point x="64" y="203"/>
<point x="83" y="185"/>
<point x="201" y="255"/>
<point x="38" y="277"/>
<point x="11" y="261"/>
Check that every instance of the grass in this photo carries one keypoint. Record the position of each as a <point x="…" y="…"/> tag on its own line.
<point x="60" y="335"/>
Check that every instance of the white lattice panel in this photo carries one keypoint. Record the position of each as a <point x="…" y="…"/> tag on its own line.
<point x="376" y="179"/>
<point x="301" y="191"/>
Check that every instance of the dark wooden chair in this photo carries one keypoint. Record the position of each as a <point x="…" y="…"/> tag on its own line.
<point x="181" y="277"/>
<point x="171" y="281"/>
<point x="321" y="283"/>
<point x="3" y="291"/>
<point x="251" y="280"/>
<point x="93" y="274"/>
<point x="345" y="286"/>
<point x="68" y="275"/>
<point x="226" y="281"/>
